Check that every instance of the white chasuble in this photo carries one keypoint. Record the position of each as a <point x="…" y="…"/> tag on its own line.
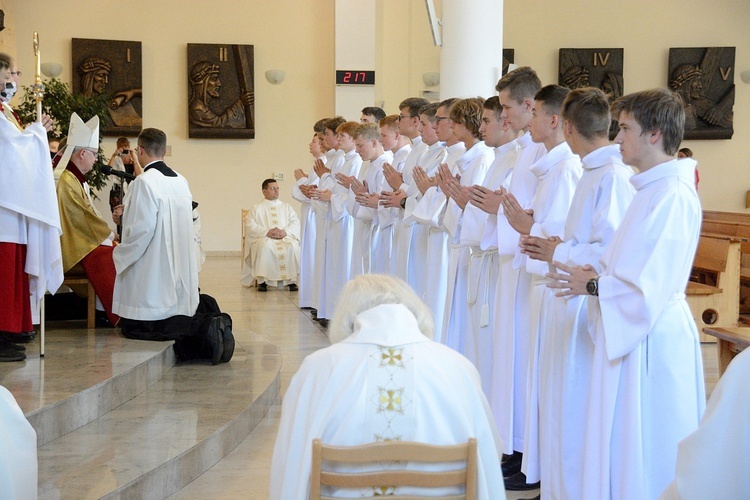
<point x="385" y="381"/>
<point x="270" y="260"/>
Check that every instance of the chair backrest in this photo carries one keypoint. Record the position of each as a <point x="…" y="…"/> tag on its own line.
<point x="396" y="451"/>
<point x="242" y="244"/>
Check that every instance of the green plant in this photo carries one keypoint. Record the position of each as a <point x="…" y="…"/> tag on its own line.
<point x="60" y="103"/>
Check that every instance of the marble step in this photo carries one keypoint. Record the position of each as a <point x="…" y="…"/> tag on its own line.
<point x="158" y="442"/>
<point x="84" y="375"/>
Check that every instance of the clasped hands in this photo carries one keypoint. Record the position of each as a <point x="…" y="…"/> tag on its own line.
<point x="362" y="194"/>
<point x="276" y="234"/>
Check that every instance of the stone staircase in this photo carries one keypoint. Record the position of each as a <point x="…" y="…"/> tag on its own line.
<point x="116" y="418"/>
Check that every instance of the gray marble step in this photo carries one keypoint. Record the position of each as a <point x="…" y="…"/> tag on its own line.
<point x="158" y="440"/>
<point x="84" y="375"/>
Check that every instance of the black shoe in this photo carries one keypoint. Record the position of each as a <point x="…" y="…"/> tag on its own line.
<point x="262" y="287"/>
<point x="314" y="313"/>
<point x="228" y="338"/>
<point x="538" y="497"/>
<point x="517" y="482"/>
<point x="102" y="320"/>
<point x="18" y="338"/>
<point x="323" y="322"/>
<point x="215" y="339"/>
<point x="11" y="355"/>
<point x="512" y="463"/>
<point x="4" y="344"/>
<point x="293" y="288"/>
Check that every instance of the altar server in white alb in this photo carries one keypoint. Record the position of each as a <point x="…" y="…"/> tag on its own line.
<point x="647" y="388"/>
<point x="301" y="193"/>
<point x="510" y="349"/>
<point x="30" y="256"/>
<point x="272" y="246"/>
<point x="558" y="173"/>
<point x="382" y="379"/>
<point x="712" y="462"/>
<point x="18" y="458"/>
<point x="599" y="204"/>
<point x="479" y="233"/>
<point x="466" y="118"/>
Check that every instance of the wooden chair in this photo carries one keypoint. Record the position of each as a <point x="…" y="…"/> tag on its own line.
<point x="68" y="280"/>
<point x="397" y="451"/>
<point x="242" y="245"/>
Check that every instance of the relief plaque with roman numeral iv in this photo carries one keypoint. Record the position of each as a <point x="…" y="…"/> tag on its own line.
<point x="601" y="68"/>
<point x="704" y="78"/>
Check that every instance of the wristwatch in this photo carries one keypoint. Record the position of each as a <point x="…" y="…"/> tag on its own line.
<point x="403" y="203"/>
<point x="593" y="286"/>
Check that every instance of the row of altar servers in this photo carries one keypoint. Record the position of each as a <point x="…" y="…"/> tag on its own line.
<point x="459" y="261"/>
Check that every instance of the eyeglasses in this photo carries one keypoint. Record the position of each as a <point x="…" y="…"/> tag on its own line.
<point x="17" y="73"/>
<point x="95" y="153"/>
<point x="402" y="117"/>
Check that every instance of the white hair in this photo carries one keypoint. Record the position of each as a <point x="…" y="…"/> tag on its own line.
<point x="370" y="290"/>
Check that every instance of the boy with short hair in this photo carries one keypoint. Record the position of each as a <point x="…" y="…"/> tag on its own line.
<point x="647" y="387"/>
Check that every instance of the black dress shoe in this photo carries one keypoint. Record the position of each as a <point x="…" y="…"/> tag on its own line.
<point x="18" y="338"/>
<point x="512" y="464"/>
<point x="226" y="333"/>
<point x="11" y="355"/>
<point x="517" y="482"/>
<point x="4" y="344"/>
<point x="215" y="339"/>
<point x="323" y="322"/>
<point x="314" y="313"/>
<point x="102" y="320"/>
<point x="262" y="287"/>
<point x="293" y="288"/>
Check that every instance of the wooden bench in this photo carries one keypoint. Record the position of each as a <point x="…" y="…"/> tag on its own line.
<point x="730" y="342"/>
<point x="72" y="280"/>
<point x="736" y="225"/>
<point x="713" y="292"/>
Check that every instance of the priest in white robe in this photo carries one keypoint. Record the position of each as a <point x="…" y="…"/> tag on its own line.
<point x="712" y="462"/>
<point x="647" y="386"/>
<point x="382" y="379"/>
<point x="156" y="288"/>
<point x="18" y="458"/>
<point x="272" y="246"/>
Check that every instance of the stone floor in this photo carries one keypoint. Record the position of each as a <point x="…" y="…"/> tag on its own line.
<point x="244" y="473"/>
<point x="274" y="317"/>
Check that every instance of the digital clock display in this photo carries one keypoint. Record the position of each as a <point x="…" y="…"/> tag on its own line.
<point x="354" y="77"/>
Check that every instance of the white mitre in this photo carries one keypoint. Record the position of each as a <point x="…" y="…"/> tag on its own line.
<point x="83" y="135"/>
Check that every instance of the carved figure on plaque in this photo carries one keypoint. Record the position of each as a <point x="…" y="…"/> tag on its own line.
<point x="221" y="101"/>
<point x="206" y="85"/>
<point x="111" y="67"/>
<point x="600" y="68"/>
<point x="706" y="86"/>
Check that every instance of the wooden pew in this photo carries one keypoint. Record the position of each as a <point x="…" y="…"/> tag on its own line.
<point x="737" y="225"/>
<point x="731" y="341"/>
<point x="713" y="292"/>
